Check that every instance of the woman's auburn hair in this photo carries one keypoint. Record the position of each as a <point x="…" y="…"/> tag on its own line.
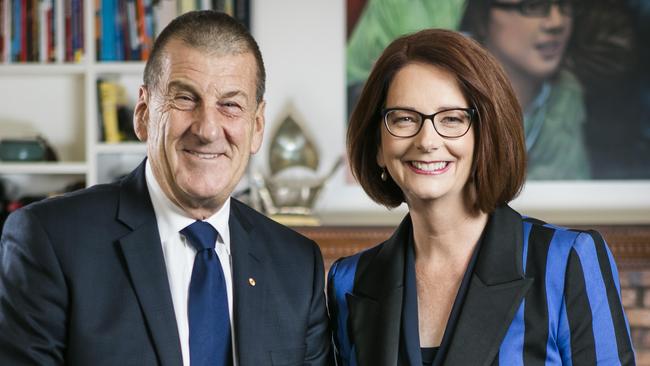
<point x="499" y="161"/>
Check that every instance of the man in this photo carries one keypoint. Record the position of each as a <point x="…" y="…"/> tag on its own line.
<point x="113" y="275"/>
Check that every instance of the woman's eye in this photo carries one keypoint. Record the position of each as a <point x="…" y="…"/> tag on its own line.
<point x="452" y="120"/>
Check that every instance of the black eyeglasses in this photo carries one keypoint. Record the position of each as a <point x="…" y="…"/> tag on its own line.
<point x="449" y="123"/>
<point x="536" y="8"/>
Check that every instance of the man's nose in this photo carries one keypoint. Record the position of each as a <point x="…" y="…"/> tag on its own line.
<point x="206" y="124"/>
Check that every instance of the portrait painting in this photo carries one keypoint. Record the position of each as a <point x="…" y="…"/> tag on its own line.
<point x="579" y="69"/>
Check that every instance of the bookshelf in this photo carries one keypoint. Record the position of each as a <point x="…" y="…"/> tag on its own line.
<point x="57" y="97"/>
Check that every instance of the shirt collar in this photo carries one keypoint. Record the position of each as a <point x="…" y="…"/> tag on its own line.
<point x="171" y="219"/>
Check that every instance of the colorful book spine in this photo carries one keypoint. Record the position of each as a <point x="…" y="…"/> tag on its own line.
<point x="78" y="52"/>
<point x="23" y="31"/>
<point x="108" y="94"/>
<point x="119" y="37"/>
<point x="164" y="11"/>
<point x="108" y="49"/>
<point x="68" y="30"/>
<point x="131" y="32"/>
<point x="3" y="20"/>
<point x="145" y="41"/>
<point x="148" y="28"/>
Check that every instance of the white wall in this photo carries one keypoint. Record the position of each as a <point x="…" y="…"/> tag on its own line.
<point x="302" y="43"/>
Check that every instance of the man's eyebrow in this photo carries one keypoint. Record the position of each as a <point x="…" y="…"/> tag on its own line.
<point x="180" y="85"/>
<point x="234" y="93"/>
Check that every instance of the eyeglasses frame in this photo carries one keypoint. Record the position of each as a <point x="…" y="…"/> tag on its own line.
<point x="471" y="111"/>
<point x="520" y="7"/>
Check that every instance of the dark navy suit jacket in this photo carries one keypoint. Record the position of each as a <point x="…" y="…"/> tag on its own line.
<point x="83" y="282"/>
<point x="537" y="295"/>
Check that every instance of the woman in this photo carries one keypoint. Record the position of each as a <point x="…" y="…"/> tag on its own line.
<point x="465" y="279"/>
<point x="530" y="39"/>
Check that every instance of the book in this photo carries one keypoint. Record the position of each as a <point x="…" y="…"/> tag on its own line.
<point x="164" y="11"/>
<point x="131" y="31"/>
<point x="108" y="50"/>
<point x="78" y="18"/>
<point x="3" y="30"/>
<point x="108" y="94"/>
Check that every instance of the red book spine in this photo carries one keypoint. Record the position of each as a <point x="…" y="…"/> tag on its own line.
<point x="142" y="32"/>
<point x="23" y="30"/>
<point x="68" y="30"/>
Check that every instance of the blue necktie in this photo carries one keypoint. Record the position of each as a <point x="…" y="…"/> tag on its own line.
<point x="207" y="309"/>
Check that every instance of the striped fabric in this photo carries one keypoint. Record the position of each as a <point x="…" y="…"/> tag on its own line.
<point x="578" y="301"/>
<point x="342" y="272"/>
<point x="570" y="314"/>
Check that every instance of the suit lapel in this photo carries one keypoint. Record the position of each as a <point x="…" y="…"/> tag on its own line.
<point x="146" y="266"/>
<point x="376" y="302"/>
<point x="249" y="283"/>
<point x="496" y="291"/>
<point x="410" y="322"/>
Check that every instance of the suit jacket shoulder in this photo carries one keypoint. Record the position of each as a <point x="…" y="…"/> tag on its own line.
<point x="576" y="291"/>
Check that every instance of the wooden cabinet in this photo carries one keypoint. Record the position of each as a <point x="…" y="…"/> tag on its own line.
<point x="630" y="244"/>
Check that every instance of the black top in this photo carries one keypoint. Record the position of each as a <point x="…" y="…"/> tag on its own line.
<point x="428" y="355"/>
<point x="438" y="353"/>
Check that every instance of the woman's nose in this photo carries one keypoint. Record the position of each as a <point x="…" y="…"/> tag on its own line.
<point x="428" y="138"/>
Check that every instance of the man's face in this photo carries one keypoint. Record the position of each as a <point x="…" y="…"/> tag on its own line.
<point x="201" y="123"/>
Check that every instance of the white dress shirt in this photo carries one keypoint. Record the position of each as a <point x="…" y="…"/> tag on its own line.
<point x="179" y="255"/>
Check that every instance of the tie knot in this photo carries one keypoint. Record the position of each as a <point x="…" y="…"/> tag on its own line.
<point x="201" y="235"/>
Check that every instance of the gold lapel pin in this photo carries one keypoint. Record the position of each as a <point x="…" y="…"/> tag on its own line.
<point x="251" y="281"/>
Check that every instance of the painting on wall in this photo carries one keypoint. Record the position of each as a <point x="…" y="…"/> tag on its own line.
<point x="579" y="69"/>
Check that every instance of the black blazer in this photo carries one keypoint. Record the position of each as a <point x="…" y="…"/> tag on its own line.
<point x="537" y="292"/>
<point x="83" y="282"/>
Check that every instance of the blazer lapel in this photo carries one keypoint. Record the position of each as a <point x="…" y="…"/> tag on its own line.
<point x="495" y="293"/>
<point x="410" y="321"/>
<point x="146" y="266"/>
<point x="249" y="283"/>
<point x="376" y="302"/>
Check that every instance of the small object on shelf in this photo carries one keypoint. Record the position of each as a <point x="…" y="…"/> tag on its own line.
<point x="290" y="193"/>
<point x="32" y="149"/>
<point x="114" y="112"/>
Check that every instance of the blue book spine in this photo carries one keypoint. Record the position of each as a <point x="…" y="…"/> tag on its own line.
<point x="119" y="40"/>
<point x="16" y="31"/>
<point x="108" y="15"/>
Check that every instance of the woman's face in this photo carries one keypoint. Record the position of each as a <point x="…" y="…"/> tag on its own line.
<point x="530" y="46"/>
<point x="426" y="166"/>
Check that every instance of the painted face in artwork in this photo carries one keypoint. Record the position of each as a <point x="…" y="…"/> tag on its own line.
<point x="531" y="46"/>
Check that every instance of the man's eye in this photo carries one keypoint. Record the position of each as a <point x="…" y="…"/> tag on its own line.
<point x="231" y="108"/>
<point x="230" y="105"/>
<point x="184" y="98"/>
<point x="184" y="102"/>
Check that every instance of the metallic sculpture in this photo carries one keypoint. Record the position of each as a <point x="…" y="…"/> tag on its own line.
<point x="291" y="191"/>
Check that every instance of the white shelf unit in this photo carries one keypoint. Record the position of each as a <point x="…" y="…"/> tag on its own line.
<point x="59" y="102"/>
<point x="43" y="168"/>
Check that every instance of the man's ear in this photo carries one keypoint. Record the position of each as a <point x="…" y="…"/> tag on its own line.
<point x="141" y="114"/>
<point x="258" y="128"/>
